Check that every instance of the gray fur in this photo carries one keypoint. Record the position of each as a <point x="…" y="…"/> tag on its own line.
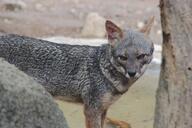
<point x="86" y="74"/>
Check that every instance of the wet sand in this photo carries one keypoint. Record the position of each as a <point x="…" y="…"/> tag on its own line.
<point x="135" y="107"/>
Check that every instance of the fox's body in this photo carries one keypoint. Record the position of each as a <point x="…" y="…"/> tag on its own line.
<point x="66" y="71"/>
<point x="93" y="76"/>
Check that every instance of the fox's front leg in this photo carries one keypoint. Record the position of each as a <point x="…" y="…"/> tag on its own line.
<point x="103" y="116"/>
<point x="93" y="117"/>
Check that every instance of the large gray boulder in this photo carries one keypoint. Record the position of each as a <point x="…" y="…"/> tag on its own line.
<point x="24" y="103"/>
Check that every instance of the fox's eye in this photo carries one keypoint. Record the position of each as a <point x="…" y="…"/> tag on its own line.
<point x="142" y="56"/>
<point x="123" y="58"/>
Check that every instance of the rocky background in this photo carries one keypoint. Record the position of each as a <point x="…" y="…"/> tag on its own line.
<point x="75" y="18"/>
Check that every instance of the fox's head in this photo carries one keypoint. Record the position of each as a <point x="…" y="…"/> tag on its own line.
<point x="130" y="51"/>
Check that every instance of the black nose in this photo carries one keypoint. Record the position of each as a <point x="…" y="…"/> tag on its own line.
<point x="131" y="74"/>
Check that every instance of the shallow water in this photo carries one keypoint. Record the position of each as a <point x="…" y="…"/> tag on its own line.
<point x="135" y="107"/>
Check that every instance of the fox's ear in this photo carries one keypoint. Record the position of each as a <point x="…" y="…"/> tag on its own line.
<point x="147" y="28"/>
<point x="113" y="31"/>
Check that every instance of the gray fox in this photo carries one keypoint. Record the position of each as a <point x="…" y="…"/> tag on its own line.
<point x="95" y="76"/>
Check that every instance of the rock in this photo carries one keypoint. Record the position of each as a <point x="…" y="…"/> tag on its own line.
<point x="13" y="5"/>
<point x="94" y="26"/>
<point x="24" y="103"/>
<point x="7" y="21"/>
<point x="40" y="7"/>
<point x="140" y="24"/>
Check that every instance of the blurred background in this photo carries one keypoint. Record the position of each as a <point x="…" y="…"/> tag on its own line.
<point x="82" y="22"/>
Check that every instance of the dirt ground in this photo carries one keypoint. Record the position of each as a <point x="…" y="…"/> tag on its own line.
<point x="66" y="17"/>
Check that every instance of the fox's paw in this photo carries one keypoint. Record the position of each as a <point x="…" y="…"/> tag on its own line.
<point x="120" y="124"/>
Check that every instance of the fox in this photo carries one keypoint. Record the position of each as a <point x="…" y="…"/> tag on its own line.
<point x="94" y="76"/>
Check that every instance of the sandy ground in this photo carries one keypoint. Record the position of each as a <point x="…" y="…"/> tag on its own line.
<point x="50" y="18"/>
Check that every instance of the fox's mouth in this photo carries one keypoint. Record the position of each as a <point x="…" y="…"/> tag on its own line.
<point x="137" y="74"/>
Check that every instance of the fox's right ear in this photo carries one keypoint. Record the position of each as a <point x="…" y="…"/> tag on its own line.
<point x="147" y="28"/>
<point x="113" y="31"/>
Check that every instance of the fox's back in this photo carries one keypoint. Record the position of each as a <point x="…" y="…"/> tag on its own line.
<point x="49" y="63"/>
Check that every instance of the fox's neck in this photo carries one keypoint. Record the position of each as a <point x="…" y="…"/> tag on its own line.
<point x="118" y="80"/>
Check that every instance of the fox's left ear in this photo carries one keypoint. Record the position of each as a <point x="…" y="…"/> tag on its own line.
<point x="147" y="28"/>
<point x="113" y="31"/>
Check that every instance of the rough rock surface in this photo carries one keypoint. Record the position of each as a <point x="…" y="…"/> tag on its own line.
<point x="24" y="103"/>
